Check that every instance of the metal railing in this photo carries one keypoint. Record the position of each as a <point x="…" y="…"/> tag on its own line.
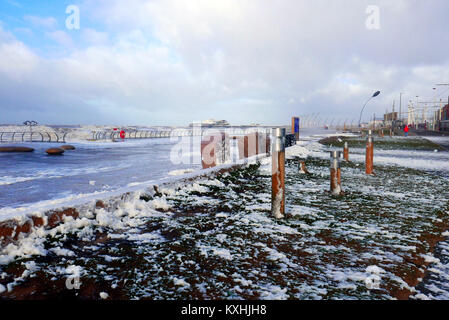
<point x="115" y="135"/>
<point x="143" y="134"/>
<point x="151" y="134"/>
<point x="38" y="136"/>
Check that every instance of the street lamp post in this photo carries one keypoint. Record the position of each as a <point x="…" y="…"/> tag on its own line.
<point x="373" y="96"/>
<point x="417" y="110"/>
<point x="31" y="123"/>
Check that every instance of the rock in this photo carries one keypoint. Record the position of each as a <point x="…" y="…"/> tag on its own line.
<point x="16" y="149"/>
<point x="38" y="221"/>
<point x="11" y="230"/>
<point x="67" y="147"/>
<point x="100" y="204"/>
<point x="24" y="228"/>
<point x="55" y="151"/>
<point x="55" y="218"/>
<point x="7" y="229"/>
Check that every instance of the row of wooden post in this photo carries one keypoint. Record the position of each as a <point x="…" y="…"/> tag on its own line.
<point x="335" y="164"/>
<point x="215" y="149"/>
<point x="278" y="170"/>
<point x="278" y="162"/>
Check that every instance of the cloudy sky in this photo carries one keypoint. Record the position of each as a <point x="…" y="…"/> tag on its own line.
<point x="171" y="62"/>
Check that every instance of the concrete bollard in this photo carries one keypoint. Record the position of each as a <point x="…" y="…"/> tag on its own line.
<point x="208" y="156"/>
<point x="222" y="151"/>
<point x="335" y="173"/>
<point x="278" y="175"/>
<point x="261" y="143"/>
<point x="245" y="147"/>
<point x="258" y="143"/>
<point x="346" y="151"/>
<point x="369" y="153"/>
<point x="268" y="144"/>
<point x="253" y="144"/>
<point x="215" y="150"/>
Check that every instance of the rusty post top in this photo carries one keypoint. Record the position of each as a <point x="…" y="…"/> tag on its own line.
<point x="279" y="143"/>
<point x="370" y="138"/>
<point x="346" y="144"/>
<point x="279" y="132"/>
<point x="335" y="154"/>
<point x="335" y="160"/>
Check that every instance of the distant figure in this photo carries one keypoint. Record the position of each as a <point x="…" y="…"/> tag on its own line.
<point x="406" y="129"/>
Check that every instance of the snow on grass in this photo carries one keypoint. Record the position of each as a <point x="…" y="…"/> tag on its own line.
<point x="430" y="259"/>
<point x="436" y="283"/>
<point x="104" y="295"/>
<point x="216" y="239"/>
<point x="160" y="203"/>
<point x="217" y="251"/>
<point x="273" y="292"/>
<point x="62" y="252"/>
<point x="180" y="282"/>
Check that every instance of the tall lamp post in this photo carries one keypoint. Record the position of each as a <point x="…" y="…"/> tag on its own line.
<point x="417" y="107"/>
<point x="31" y="123"/>
<point x="442" y="84"/>
<point x="373" y="96"/>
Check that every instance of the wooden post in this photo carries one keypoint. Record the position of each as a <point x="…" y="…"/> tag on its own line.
<point x="248" y="145"/>
<point x="252" y="144"/>
<point x="208" y="157"/>
<point x="369" y="153"/>
<point x="346" y="152"/>
<point x="295" y="127"/>
<point x="222" y="151"/>
<point x="278" y="175"/>
<point x="268" y="144"/>
<point x="243" y="147"/>
<point x="335" y="173"/>
<point x="257" y="143"/>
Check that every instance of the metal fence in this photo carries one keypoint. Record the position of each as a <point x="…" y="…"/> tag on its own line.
<point x="151" y="134"/>
<point x="15" y="136"/>
<point x="144" y="134"/>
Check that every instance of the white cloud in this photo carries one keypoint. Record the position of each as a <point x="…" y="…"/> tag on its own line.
<point x="94" y="37"/>
<point x="17" y="61"/>
<point x="176" y="61"/>
<point x="61" y="37"/>
<point x="46" y="22"/>
<point x="24" y="31"/>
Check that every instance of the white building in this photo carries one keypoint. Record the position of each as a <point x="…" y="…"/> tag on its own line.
<point x="211" y="123"/>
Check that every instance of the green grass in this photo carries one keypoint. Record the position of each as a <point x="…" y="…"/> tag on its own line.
<point x="385" y="143"/>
